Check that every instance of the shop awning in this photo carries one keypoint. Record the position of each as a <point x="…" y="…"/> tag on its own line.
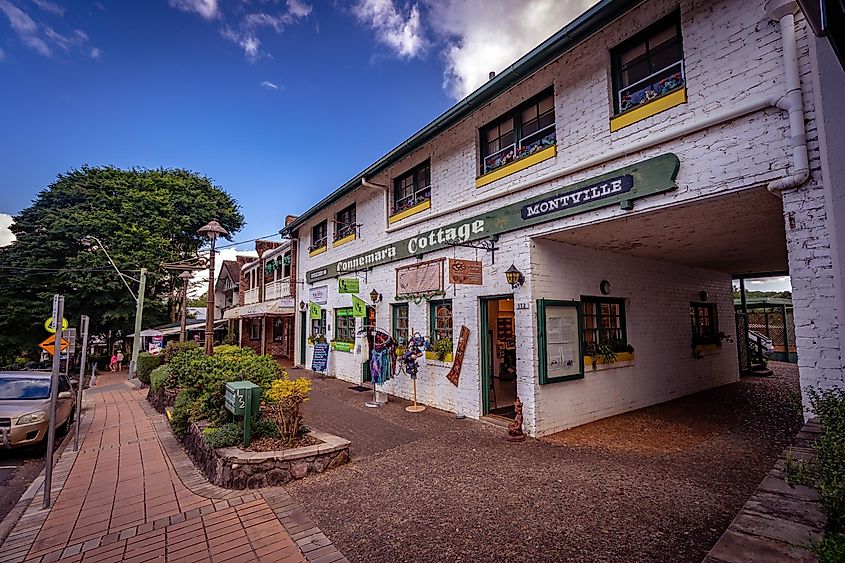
<point x="276" y="307"/>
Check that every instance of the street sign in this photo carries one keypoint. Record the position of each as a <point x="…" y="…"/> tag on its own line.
<point x="71" y="339"/>
<point x="242" y="398"/>
<point x="50" y="327"/>
<point x="49" y="345"/>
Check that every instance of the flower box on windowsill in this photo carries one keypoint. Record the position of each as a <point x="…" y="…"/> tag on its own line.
<point x="343" y="240"/>
<point x="433" y="357"/>
<point x="649" y="108"/>
<point x="317" y="251"/>
<point x="410" y="211"/>
<point x="515" y="166"/>
<point x="623" y="359"/>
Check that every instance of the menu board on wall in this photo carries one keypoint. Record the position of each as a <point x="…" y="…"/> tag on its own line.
<point x="424" y="277"/>
<point x="562" y="341"/>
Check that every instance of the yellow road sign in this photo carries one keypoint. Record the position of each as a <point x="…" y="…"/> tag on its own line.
<point x="49" y="344"/>
<point x="48" y="324"/>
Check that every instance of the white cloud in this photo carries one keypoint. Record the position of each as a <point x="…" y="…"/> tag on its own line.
<point x="199" y="283"/>
<point x="50" y="7"/>
<point x="7" y="237"/>
<point x="401" y="30"/>
<point x="488" y="35"/>
<point x="270" y="85"/>
<point x="207" y="9"/>
<point x="25" y="27"/>
<point x="299" y="9"/>
<point x="95" y="54"/>
<point x="2" y="54"/>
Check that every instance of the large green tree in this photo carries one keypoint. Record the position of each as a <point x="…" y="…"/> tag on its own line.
<point x="143" y="217"/>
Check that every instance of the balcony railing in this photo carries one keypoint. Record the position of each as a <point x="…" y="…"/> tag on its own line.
<point x="251" y="296"/>
<point x="277" y="289"/>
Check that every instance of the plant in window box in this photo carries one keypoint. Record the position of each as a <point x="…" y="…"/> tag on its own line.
<point x="315" y="338"/>
<point x="600" y="351"/>
<point x="442" y="348"/>
<point x="317" y="245"/>
<point x="698" y="342"/>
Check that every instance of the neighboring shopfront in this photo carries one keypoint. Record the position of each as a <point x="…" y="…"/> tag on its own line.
<point x="574" y="252"/>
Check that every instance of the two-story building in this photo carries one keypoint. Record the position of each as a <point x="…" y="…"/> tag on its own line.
<point x="267" y="297"/>
<point x="568" y="232"/>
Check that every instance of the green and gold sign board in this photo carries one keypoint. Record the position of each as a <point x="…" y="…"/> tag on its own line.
<point x="348" y="285"/>
<point x="618" y="187"/>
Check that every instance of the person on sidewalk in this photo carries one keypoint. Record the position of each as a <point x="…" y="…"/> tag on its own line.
<point x="113" y="363"/>
<point x="120" y="360"/>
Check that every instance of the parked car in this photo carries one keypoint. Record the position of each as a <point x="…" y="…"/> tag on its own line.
<point x="24" y="406"/>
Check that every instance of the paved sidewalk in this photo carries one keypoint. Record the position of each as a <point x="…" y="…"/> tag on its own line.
<point x="131" y="494"/>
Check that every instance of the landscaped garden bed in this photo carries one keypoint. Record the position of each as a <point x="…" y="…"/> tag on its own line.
<point x="190" y="387"/>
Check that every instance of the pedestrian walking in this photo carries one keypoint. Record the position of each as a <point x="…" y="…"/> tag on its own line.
<point x="113" y="363"/>
<point x="120" y="360"/>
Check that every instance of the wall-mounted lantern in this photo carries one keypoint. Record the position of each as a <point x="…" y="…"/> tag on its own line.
<point x="375" y="296"/>
<point x="514" y="277"/>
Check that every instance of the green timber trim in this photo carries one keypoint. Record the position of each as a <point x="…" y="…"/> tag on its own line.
<point x="543" y="367"/>
<point x="621" y="186"/>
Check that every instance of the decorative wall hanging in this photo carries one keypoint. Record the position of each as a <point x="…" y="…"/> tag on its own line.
<point x="454" y="374"/>
<point x="422" y="278"/>
<point x="467" y="272"/>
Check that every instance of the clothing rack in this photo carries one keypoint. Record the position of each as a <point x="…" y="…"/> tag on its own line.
<point x="368" y="329"/>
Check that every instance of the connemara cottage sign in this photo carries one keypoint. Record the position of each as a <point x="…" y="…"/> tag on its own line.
<point x="622" y="186"/>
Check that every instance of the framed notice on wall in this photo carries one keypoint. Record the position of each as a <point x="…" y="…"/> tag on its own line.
<point x="424" y="277"/>
<point x="559" y="339"/>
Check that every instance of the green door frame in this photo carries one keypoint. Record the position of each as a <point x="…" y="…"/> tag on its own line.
<point x="303" y="319"/>
<point x="484" y="348"/>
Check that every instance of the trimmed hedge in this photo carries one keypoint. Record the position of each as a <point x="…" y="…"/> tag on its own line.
<point x="146" y="364"/>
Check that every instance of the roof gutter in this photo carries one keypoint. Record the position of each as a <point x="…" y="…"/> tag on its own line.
<point x="567" y="38"/>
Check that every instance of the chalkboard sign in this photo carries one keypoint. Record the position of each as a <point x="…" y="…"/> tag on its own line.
<point x="320" y="360"/>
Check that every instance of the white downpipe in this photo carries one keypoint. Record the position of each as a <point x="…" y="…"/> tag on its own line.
<point x="649" y="142"/>
<point x="784" y="11"/>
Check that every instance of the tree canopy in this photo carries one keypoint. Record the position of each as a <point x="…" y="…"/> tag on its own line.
<point x="143" y="217"/>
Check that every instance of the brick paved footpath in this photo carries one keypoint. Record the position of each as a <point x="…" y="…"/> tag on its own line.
<point x="131" y="494"/>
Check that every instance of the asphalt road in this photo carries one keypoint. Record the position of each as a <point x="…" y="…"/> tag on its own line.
<point x="17" y="470"/>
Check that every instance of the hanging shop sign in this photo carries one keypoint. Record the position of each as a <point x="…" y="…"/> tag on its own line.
<point x="359" y="308"/>
<point x="454" y="374"/>
<point x="622" y="186"/>
<point x="348" y="285"/>
<point x="424" y="277"/>
<point x="320" y="358"/>
<point x="467" y="272"/>
<point x="314" y="311"/>
<point x="319" y="295"/>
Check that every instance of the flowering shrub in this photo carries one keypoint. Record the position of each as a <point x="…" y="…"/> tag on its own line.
<point x="285" y="398"/>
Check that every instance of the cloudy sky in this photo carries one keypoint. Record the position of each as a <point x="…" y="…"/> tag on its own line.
<point x="276" y="100"/>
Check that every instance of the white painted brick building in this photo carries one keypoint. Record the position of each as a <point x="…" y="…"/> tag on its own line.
<point x="661" y="252"/>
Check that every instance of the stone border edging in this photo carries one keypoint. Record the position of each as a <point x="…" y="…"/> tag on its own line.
<point x="779" y="521"/>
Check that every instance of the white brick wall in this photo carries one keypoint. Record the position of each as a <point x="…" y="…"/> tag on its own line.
<point x="732" y="55"/>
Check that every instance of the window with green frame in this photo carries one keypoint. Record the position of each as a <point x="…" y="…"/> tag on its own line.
<point x="705" y="326"/>
<point x="524" y="130"/>
<point x="603" y="322"/>
<point x="318" y="326"/>
<point x="400" y="323"/>
<point x="344" y="325"/>
<point x="440" y="318"/>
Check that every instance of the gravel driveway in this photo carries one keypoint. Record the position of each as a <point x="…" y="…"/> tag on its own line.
<point x="658" y="484"/>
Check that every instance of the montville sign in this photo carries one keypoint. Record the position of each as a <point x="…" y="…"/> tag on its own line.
<point x="622" y="186"/>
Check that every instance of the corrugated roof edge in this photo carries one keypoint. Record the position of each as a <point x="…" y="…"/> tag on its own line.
<point x="602" y="13"/>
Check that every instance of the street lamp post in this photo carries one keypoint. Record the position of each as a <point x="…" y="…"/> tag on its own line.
<point x="211" y="230"/>
<point x="90" y="240"/>
<point x="185" y="277"/>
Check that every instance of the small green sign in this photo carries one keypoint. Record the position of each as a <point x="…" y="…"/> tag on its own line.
<point x="342" y="346"/>
<point x="314" y="311"/>
<point x="359" y="308"/>
<point x="348" y="285"/>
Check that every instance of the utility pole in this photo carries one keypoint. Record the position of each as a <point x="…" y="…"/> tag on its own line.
<point x="139" y="312"/>
<point x="83" y="327"/>
<point x="58" y="315"/>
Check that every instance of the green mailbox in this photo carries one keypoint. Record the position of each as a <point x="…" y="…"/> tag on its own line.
<point x="242" y="399"/>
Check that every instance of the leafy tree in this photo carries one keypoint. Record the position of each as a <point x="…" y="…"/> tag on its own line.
<point x="200" y="301"/>
<point x="143" y="217"/>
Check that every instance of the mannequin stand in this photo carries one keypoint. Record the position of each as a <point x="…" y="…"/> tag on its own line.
<point x="374" y="404"/>
<point x="415" y="407"/>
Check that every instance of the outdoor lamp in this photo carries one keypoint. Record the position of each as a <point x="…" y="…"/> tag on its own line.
<point x="375" y="297"/>
<point x="212" y="229"/>
<point x="302" y="305"/>
<point x="514" y="277"/>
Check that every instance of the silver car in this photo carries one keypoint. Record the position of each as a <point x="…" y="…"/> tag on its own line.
<point x="25" y="405"/>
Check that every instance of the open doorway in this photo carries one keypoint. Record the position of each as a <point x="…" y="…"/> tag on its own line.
<point x="499" y="355"/>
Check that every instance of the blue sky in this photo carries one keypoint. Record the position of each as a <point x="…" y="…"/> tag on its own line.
<point x="278" y="101"/>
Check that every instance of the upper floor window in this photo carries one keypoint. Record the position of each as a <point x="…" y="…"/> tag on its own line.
<point x="319" y="234"/>
<point x="344" y="224"/>
<point x="705" y="329"/>
<point x="286" y="258"/>
<point x="412" y="188"/>
<point x="522" y="131"/>
<point x="648" y="65"/>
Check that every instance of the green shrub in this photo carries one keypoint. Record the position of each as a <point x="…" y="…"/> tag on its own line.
<point x="204" y="379"/>
<point x="184" y="410"/>
<point x="160" y="378"/>
<point x="174" y="348"/>
<point x="232" y="433"/>
<point x="285" y="398"/>
<point x="826" y="473"/>
<point x="146" y="364"/>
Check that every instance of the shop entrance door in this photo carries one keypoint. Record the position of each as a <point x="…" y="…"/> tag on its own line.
<point x="498" y="355"/>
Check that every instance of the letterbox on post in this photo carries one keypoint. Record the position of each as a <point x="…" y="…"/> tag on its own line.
<point x="242" y="399"/>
